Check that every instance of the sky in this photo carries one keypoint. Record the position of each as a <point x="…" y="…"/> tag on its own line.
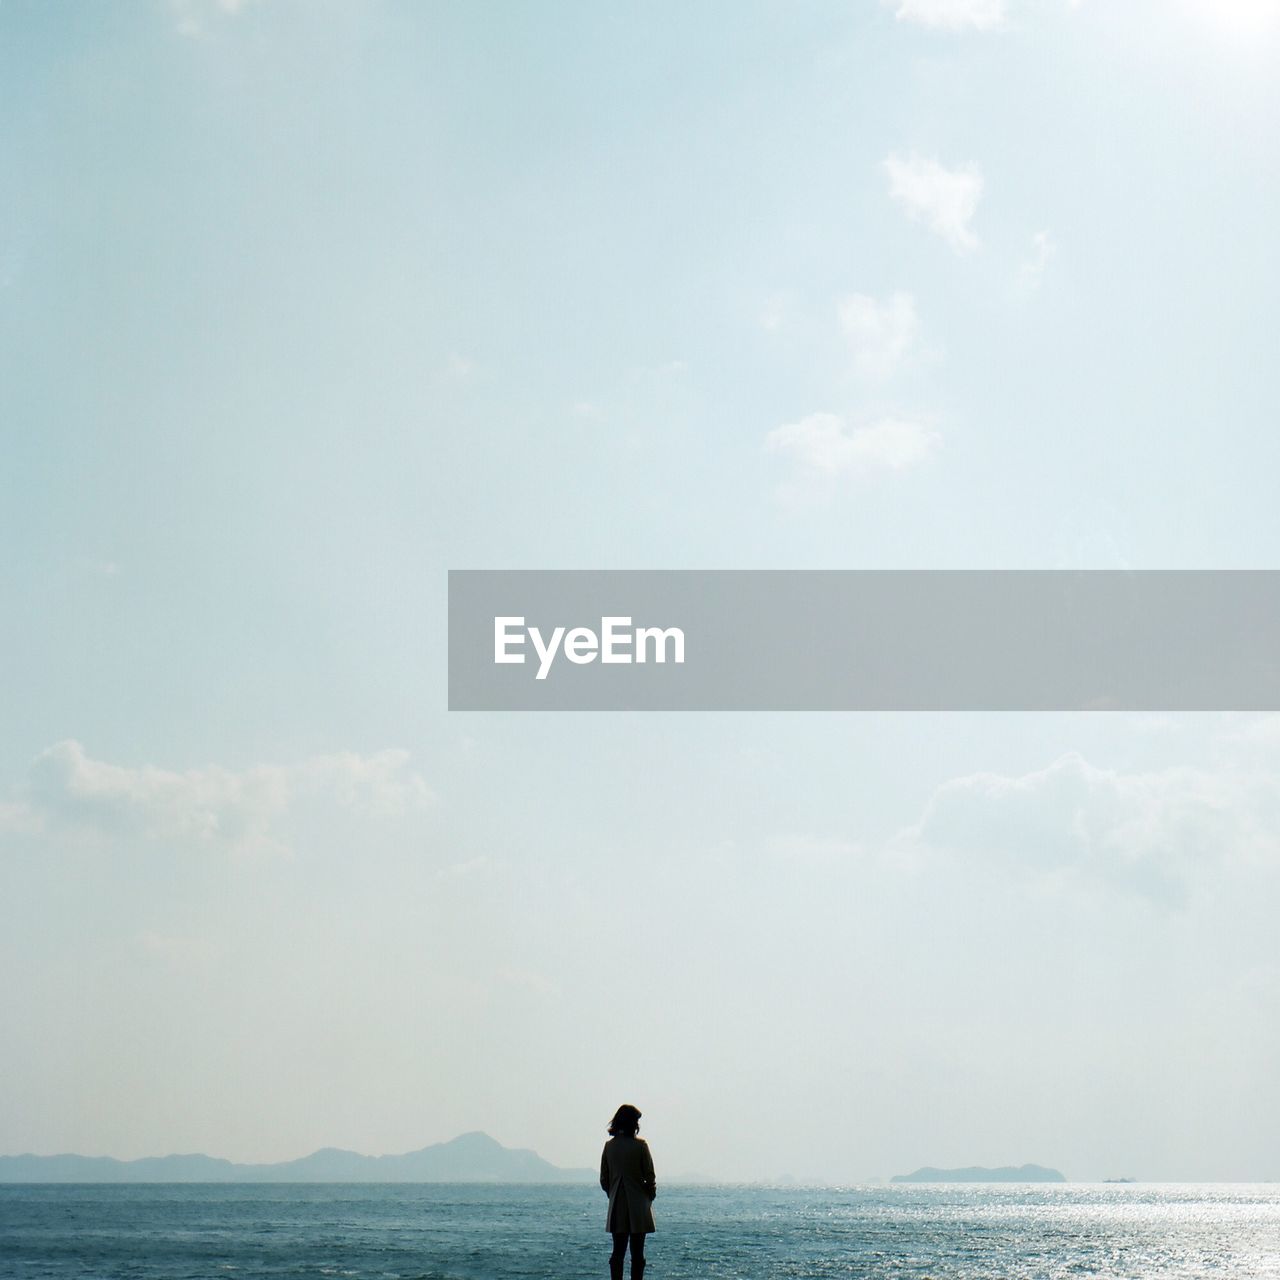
<point x="304" y="304"/>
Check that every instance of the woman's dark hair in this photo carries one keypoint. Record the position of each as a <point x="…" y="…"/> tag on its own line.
<point x="625" y="1120"/>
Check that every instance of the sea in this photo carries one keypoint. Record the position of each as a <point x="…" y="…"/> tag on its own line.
<point x="419" y="1231"/>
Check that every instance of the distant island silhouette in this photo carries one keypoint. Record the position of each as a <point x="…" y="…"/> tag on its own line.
<point x="976" y="1173"/>
<point x="472" y="1157"/>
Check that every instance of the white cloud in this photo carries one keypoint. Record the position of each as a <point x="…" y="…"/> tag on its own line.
<point x="1148" y="833"/>
<point x="824" y="445"/>
<point x="192" y="17"/>
<point x="1031" y="272"/>
<point x="1256" y="738"/>
<point x="945" y="200"/>
<point x="879" y="334"/>
<point x="211" y="805"/>
<point x="459" y="366"/>
<point x="952" y="15"/>
<point x="100" y="568"/>
<point x="381" y="783"/>
<point x="773" y="315"/>
<point x="16" y="816"/>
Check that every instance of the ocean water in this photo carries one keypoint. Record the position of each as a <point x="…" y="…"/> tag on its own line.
<point x="472" y="1232"/>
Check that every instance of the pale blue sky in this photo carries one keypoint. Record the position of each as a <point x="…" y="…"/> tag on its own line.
<point x="304" y="304"/>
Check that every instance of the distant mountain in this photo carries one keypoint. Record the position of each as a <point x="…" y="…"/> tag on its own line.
<point x="473" y="1157"/>
<point x="975" y="1173"/>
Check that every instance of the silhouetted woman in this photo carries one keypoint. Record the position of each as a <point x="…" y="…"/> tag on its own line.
<point x="626" y="1173"/>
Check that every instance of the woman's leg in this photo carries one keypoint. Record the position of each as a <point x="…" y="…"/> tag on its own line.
<point x="637" y="1255"/>
<point x="618" y="1254"/>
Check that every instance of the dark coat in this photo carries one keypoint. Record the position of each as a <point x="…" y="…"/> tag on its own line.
<point x="626" y="1173"/>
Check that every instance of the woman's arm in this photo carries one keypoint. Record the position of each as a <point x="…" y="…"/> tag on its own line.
<point x="604" y="1170"/>
<point x="650" y="1179"/>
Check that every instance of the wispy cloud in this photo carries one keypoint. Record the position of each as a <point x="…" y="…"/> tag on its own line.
<point x="193" y="17"/>
<point x="945" y="200"/>
<point x="952" y="15"/>
<point x="824" y="447"/>
<point x="100" y="568"/>
<point x="207" y="806"/>
<point x="1031" y="272"/>
<point x="1146" y="833"/>
<point x="773" y="315"/>
<point x="879" y="334"/>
